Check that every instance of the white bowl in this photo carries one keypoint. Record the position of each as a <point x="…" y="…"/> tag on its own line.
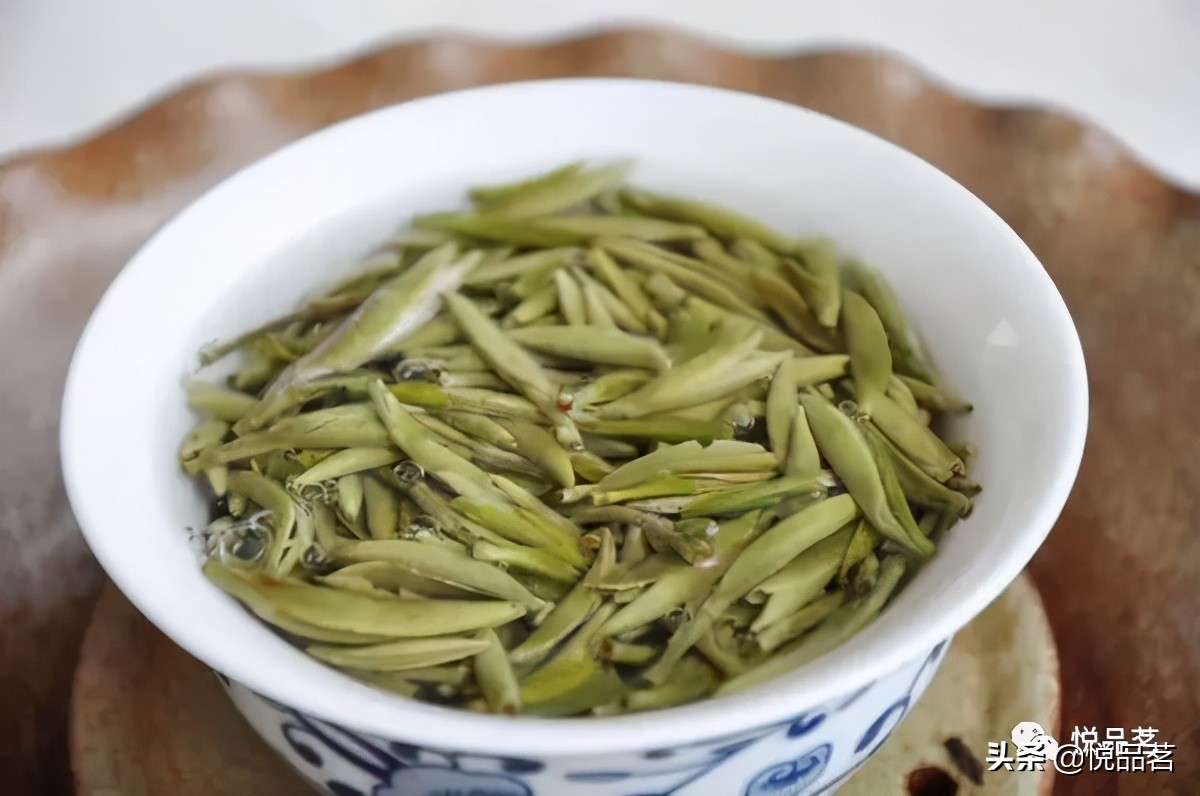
<point x="271" y="234"/>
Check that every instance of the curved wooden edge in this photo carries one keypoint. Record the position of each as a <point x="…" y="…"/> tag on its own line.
<point x="163" y="128"/>
<point x="1001" y="669"/>
<point x="1040" y="635"/>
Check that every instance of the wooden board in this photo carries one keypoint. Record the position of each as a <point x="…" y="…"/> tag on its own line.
<point x="149" y="720"/>
<point x="1119" y="573"/>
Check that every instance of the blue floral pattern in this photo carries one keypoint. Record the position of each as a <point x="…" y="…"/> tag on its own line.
<point x="792" y="776"/>
<point x="401" y="769"/>
<point x="687" y="763"/>
<point x="808" y="754"/>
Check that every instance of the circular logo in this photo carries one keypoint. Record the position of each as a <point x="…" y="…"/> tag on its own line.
<point x="791" y="778"/>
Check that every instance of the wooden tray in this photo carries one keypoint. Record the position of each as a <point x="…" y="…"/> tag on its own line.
<point x="1118" y="575"/>
<point x="148" y="719"/>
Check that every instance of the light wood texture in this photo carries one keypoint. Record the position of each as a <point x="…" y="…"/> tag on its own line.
<point x="1119" y="573"/>
<point x="1001" y="669"/>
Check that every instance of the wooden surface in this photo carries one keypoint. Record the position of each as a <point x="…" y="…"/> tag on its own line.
<point x="1119" y="573"/>
<point x="147" y="719"/>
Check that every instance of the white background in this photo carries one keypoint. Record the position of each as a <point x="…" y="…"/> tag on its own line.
<point x="71" y="67"/>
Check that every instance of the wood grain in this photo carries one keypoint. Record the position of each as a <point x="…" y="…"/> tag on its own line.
<point x="147" y="719"/>
<point x="1119" y="573"/>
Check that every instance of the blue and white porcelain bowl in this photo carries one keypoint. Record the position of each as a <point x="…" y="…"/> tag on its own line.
<point x="811" y="752"/>
<point x="259" y="242"/>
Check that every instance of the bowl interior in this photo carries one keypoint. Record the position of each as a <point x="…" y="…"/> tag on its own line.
<point x="271" y="235"/>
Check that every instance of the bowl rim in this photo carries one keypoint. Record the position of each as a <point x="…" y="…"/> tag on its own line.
<point x="353" y="705"/>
